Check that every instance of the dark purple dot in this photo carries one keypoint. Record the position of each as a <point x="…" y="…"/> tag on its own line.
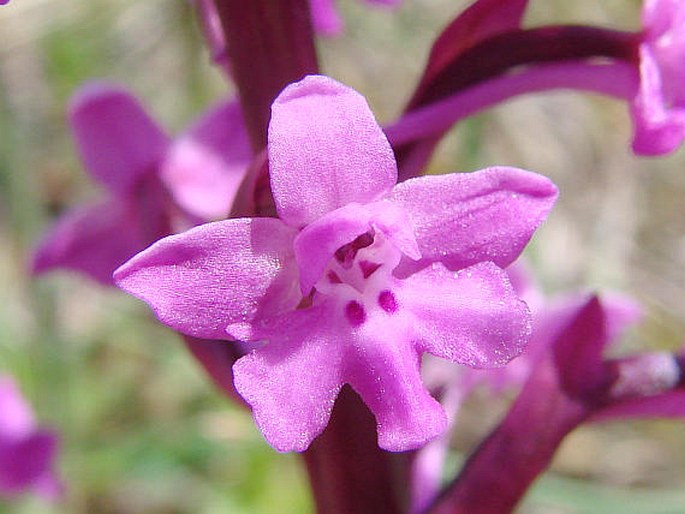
<point x="368" y="268"/>
<point x="333" y="278"/>
<point x="355" y="313"/>
<point x="387" y="301"/>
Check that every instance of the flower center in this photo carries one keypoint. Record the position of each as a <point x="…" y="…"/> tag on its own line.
<point x="359" y="278"/>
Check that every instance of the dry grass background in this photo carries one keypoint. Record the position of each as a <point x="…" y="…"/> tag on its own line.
<point x="143" y="432"/>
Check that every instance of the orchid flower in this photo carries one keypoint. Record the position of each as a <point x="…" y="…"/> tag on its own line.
<point x="155" y="186"/>
<point x="27" y="453"/>
<point x="659" y="107"/>
<point x="355" y="279"/>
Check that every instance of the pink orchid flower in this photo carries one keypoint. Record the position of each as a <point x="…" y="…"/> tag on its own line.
<point x="659" y="107"/>
<point x="27" y="453"/>
<point x="356" y="279"/>
<point x="155" y="186"/>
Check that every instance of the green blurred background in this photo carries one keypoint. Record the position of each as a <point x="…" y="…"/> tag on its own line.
<point x="142" y="429"/>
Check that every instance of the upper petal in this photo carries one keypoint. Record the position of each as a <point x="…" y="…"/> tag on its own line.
<point x="221" y="273"/>
<point x="205" y="166"/>
<point x="471" y="316"/>
<point x="464" y="218"/>
<point x="325" y="150"/>
<point x="117" y="140"/>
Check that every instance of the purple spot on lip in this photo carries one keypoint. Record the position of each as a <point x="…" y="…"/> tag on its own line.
<point x="333" y="278"/>
<point x="368" y="268"/>
<point x="355" y="313"/>
<point x="346" y="253"/>
<point x="387" y="301"/>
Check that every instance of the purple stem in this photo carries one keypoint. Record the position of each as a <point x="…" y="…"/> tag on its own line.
<point x="269" y="44"/>
<point x="503" y="52"/>
<point x="500" y="471"/>
<point x="507" y="462"/>
<point x="347" y="470"/>
<point x="618" y="80"/>
<point x="422" y="128"/>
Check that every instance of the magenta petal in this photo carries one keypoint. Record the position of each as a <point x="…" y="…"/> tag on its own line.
<point x="325" y="17"/>
<point x="464" y="218"/>
<point x="471" y="316"/>
<point x="659" y="129"/>
<point x="326" y="150"/>
<point x="16" y="417"/>
<point x="292" y="382"/>
<point x="385" y="373"/>
<point x="93" y="240"/>
<point x="118" y="141"/>
<point x="201" y="281"/>
<point x="205" y="166"/>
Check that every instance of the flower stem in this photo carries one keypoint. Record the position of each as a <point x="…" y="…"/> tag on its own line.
<point x="269" y="44"/>
<point x="347" y="470"/>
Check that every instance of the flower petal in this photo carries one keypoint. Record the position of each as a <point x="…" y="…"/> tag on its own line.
<point x="118" y="141"/>
<point x="325" y="150"/>
<point x="205" y="166"/>
<point x="658" y="129"/>
<point x="201" y="281"/>
<point x="292" y="382"/>
<point x="93" y="240"/>
<point x="385" y="373"/>
<point x="471" y="316"/>
<point x="464" y="218"/>
<point x="16" y="416"/>
<point x="325" y="17"/>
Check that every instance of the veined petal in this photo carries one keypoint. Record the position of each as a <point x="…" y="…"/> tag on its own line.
<point x="464" y="218"/>
<point x="221" y="273"/>
<point x="384" y="370"/>
<point x="118" y="141"/>
<point x="205" y="166"/>
<point x="326" y="150"/>
<point x="471" y="316"/>
<point x="94" y="240"/>
<point x="292" y="382"/>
